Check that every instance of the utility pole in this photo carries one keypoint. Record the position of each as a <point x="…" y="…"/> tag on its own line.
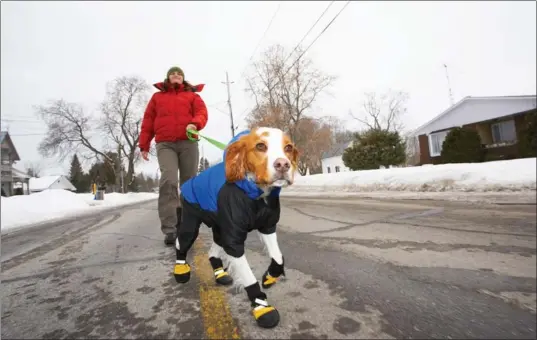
<point x="449" y="86"/>
<point x="227" y="82"/>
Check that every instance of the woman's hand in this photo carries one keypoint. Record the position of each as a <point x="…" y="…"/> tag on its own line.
<point x="145" y="155"/>
<point x="191" y="127"/>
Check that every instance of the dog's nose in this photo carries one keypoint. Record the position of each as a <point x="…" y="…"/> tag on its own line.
<point x="281" y="165"/>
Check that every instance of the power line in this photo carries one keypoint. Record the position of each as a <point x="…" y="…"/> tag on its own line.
<point x="21" y="120"/>
<point x="27" y="134"/>
<point x="307" y="48"/>
<point x="300" y="42"/>
<point x="262" y="37"/>
<point x="308" y="32"/>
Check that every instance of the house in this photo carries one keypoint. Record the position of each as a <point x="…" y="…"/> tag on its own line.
<point x="21" y="182"/>
<point x="498" y="121"/>
<point x="8" y="156"/>
<point x="332" y="160"/>
<point x="50" y="182"/>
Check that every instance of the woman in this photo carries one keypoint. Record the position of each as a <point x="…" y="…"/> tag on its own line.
<point x="170" y="112"/>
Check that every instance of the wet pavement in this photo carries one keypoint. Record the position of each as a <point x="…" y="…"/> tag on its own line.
<point x="356" y="268"/>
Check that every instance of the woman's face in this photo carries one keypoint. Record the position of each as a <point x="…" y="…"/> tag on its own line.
<point x="176" y="78"/>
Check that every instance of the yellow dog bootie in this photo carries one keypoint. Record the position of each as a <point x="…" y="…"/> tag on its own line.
<point x="181" y="271"/>
<point x="264" y="314"/>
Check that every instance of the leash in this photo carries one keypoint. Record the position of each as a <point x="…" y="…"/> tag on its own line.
<point x="190" y="133"/>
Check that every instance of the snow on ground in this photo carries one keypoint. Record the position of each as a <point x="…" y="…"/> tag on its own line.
<point x="49" y="205"/>
<point x="428" y="181"/>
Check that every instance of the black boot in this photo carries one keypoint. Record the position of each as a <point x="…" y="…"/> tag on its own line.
<point x="169" y="239"/>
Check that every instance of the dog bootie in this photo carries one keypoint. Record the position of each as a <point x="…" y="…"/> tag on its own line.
<point x="272" y="275"/>
<point x="181" y="271"/>
<point x="264" y="314"/>
<point x="222" y="277"/>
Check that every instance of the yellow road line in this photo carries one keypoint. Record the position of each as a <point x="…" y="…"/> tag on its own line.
<point x="217" y="318"/>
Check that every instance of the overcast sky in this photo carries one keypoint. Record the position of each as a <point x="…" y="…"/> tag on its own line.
<point x="70" y="50"/>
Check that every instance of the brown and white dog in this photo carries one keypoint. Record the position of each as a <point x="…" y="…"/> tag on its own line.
<point x="233" y="198"/>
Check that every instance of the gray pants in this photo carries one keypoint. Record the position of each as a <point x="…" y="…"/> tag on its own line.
<point x="182" y="156"/>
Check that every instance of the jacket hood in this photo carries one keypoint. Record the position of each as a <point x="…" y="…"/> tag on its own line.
<point x="248" y="185"/>
<point x="163" y="86"/>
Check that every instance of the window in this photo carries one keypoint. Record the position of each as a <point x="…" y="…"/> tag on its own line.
<point x="503" y="131"/>
<point x="328" y="169"/>
<point x="435" y="142"/>
<point x="5" y="157"/>
<point x="337" y="168"/>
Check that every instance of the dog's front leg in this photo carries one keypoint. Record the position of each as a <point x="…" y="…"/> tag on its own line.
<point x="265" y="315"/>
<point x="276" y="267"/>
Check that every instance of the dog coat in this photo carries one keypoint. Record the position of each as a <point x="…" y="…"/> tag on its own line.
<point x="232" y="210"/>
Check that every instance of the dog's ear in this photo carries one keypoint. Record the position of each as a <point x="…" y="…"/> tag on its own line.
<point x="294" y="157"/>
<point x="236" y="161"/>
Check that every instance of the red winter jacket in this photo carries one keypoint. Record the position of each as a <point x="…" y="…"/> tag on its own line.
<point x="169" y="112"/>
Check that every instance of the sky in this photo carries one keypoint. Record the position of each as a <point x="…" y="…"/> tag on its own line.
<point x="70" y="50"/>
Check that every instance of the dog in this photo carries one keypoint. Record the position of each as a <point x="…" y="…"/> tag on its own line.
<point x="233" y="198"/>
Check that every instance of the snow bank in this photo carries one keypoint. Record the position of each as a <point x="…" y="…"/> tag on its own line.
<point x="49" y="205"/>
<point x="512" y="175"/>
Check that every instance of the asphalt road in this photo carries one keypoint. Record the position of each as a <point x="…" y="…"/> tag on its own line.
<point x="356" y="268"/>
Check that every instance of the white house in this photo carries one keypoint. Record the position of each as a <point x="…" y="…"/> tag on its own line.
<point x="332" y="160"/>
<point x="50" y="182"/>
<point x="496" y="119"/>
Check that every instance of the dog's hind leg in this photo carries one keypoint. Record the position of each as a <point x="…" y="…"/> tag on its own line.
<point x="264" y="314"/>
<point x="221" y="276"/>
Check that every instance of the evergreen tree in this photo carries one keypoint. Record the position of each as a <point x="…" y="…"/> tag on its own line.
<point x="77" y="176"/>
<point x="374" y="148"/>
<point x="462" y="145"/>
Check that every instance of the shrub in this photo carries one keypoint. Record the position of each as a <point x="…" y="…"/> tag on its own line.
<point x="374" y="148"/>
<point x="527" y="139"/>
<point x="462" y="145"/>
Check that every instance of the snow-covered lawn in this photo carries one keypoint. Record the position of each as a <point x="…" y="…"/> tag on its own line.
<point x="49" y="205"/>
<point x="490" y="177"/>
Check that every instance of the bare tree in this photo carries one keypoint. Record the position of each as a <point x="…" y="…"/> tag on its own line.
<point x="412" y="149"/>
<point x="315" y="137"/>
<point x="33" y="169"/>
<point x="284" y="92"/>
<point x="68" y="131"/>
<point x="123" y="108"/>
<point x="383" y="112"/>
<point x="340" y="134"/>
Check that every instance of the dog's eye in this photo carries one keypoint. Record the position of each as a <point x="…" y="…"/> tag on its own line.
<point x="261" y="147"/>
<point x="288" y="148"/>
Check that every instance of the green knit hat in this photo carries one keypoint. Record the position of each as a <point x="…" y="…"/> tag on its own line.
<point x="175" y="69"/>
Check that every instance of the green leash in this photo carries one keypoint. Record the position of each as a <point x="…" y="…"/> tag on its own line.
<point x="190" y="133"/>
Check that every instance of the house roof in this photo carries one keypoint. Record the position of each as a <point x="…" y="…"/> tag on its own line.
<point x="20" y="174"/>
<point x="43" y="183"/>
<point x="477" y="109"/>
<point x="336" y="150"/>
<point x="4" y="135"/>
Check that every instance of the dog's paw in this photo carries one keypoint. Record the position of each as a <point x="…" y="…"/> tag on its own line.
<point x="268" y="280"/>
<point x="264" y="314"/>
<point x="181" y="272"/>
<point x="222" y="277"/>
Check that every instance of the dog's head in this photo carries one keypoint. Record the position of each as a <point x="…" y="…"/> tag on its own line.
<point x="266" y="155"/>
